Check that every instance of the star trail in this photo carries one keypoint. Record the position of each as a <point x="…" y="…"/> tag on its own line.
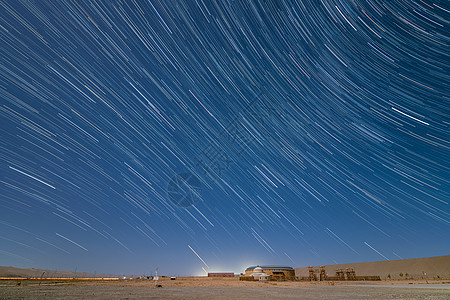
<point x="255" y="132"/>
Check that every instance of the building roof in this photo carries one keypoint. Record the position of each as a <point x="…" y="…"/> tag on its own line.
<point x="270" y="268"/>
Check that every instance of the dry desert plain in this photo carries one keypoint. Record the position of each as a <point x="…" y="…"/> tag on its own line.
<point x="222" y="288"/>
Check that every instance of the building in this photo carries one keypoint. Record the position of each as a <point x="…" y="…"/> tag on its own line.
<point x="275" y="272"/>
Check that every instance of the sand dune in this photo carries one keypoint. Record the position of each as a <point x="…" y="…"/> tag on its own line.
<point x="32" y="272"/>
<point x="432" y="266"/>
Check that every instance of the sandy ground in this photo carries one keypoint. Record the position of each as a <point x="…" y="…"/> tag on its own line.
<point x="208" y="288"/>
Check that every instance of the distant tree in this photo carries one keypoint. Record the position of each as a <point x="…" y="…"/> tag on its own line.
<point x="389" y="276"/>
<point x="401" y="275"/>
<point x="406" y="275"/>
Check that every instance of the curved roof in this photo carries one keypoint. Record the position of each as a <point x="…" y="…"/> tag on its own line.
<point x="270" y="268"/>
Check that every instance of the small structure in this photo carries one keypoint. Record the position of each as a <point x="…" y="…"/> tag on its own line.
<point x="312" y="273"/>
<point x="340" y="274"/>
<point x="258" y="274"/>
<point x="323" y="274"/>
<point x="350" y="273"/>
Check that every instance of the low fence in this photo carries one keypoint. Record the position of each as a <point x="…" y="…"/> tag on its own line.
<point x="246" y="278"/>
<point x="368" y="278"/>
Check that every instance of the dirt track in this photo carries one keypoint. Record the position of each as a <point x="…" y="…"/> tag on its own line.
<point x="220" y="289"/>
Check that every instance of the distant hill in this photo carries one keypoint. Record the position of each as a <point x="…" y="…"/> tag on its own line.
<point x="32" y="272"/>
<point x="432" y="266"/>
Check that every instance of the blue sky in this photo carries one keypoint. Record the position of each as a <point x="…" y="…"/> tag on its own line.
<point x="202" y="136"/>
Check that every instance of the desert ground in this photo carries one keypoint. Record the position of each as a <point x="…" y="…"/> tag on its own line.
<point x="222" y="288"/>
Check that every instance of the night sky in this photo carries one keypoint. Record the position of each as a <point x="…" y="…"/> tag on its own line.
<point x="203" y="136"/>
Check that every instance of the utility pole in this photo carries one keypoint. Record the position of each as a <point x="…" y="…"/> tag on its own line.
<point x="156" y="277"/>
